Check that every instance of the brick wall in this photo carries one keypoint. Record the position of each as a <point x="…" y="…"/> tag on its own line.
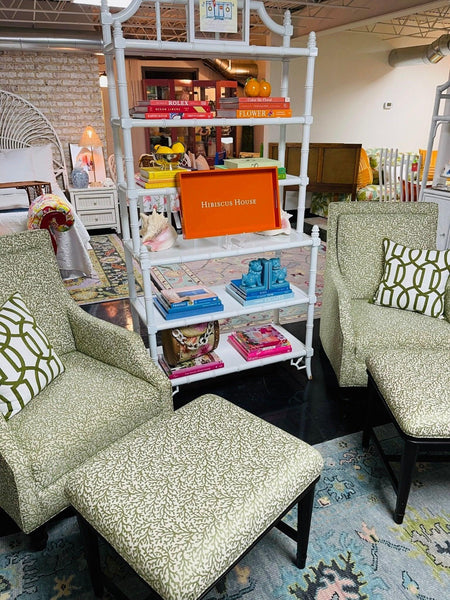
<point x="63" y="86"/>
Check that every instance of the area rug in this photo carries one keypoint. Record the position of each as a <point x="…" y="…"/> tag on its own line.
<point x="356" y="550"/>
<point x="110" y="279"/>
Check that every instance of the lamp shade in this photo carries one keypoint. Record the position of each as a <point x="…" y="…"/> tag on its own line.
<point x="89" y="138"/>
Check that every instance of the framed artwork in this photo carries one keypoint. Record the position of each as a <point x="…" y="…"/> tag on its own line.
<point x="89" y="159"/>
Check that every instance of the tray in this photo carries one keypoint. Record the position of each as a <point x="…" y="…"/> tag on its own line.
<point x="231" y="201"/>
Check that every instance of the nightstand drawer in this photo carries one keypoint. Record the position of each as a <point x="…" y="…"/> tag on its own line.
<point x="101" y="218"/>
<point x="95" y="201"/>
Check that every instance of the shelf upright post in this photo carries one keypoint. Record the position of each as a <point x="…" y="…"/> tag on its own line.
<point x="309" y="81"/>
<point x="311" y="299"/>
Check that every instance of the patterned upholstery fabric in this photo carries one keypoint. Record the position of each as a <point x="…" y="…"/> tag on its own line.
<point x="416" y="386"/>
<point x="349" y="326"/>
<point x="109" y="387"/>
<point x="180" y="509"/>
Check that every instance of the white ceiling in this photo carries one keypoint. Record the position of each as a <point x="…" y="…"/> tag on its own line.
<point x="415" y="20"/>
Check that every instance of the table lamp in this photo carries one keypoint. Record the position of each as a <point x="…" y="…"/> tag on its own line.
<point x="89" y="139"/>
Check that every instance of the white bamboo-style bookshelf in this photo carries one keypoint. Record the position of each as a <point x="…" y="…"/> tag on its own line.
<point x="116" y="46"/>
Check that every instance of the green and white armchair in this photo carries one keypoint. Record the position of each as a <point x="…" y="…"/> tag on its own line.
<point x="92" y="382"/>
<point x="351" y="326"/>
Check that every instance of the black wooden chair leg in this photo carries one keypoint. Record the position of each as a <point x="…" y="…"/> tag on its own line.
<point x="368" y="418"/>
<point x="38" y="539"/>
<point x="90" y="543"/>
<point x="407" y="465"/>
<point x="304" y="514"/>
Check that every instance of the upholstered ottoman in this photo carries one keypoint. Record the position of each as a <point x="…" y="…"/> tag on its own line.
<point x="183" y="500"/>
<point x="414" y="386"/>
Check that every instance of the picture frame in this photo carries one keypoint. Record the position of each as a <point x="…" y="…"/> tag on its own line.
<point x="82" y="157"/>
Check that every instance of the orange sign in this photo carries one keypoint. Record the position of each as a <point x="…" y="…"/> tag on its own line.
<point x="229" y="201"/>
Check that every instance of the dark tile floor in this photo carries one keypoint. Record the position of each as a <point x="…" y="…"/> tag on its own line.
<point x="314" y="410"/>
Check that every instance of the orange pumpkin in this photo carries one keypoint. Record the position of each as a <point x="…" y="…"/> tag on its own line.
<point x="264" y="88"/>
<point x="251" y="87"/>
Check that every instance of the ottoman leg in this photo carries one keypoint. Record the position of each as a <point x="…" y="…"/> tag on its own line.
<point x="90" y="543"/>
<point x="369" y="411"/>
<point x="407" y="465"/>
<point x="304" y="513"/>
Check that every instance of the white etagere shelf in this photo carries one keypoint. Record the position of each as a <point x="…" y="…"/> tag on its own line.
<point x="184" y="251"/>
<point x="233" y="361"/>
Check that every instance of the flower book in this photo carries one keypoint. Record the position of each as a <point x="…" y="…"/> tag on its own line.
<point x="261" y="352"/>
<point x="254" y="113"/>
<point x="205" y="362"/>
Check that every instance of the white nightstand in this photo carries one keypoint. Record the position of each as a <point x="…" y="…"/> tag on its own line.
<point x="96" y="207"/>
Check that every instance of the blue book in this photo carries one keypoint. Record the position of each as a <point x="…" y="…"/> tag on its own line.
<point x="189" y="312"/>
<point x="258" y="300"/>
<point x="185" y="306"/>
<point x="249" y="293"/>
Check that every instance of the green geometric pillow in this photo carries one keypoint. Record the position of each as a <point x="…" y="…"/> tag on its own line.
<point x="413" y="279"/>
<point x="27" y="360"/>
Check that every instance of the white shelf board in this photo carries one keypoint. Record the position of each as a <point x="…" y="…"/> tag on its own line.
<point x="232" y="308"/>
<point x="172" y="191"/>
<point x="220" y="247"/>
<point x="130" y="123"/>
<point x="233" y="361"/>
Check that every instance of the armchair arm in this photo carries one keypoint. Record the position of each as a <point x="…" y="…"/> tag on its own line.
<point x="118" y="347"/>
<point x="337" y="305"/>
<point x="18" y="490"/>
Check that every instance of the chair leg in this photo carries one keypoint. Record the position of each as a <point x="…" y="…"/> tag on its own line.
<point x="407" y="465"/>
<point x="38" y="539"/>
<point x="369" y="412"/>
<point x="304" y="513"/>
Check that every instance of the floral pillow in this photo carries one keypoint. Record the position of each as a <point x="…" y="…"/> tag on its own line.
<point x="28" y="361"/>
<point x="413" y="279"/>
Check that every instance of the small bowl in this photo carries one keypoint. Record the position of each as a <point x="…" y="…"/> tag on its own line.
<point x="169" y="159"/>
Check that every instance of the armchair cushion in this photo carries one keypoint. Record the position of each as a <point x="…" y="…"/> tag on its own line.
<point x="413" y="279"/>
<point x="29" y="362"/>
<point x="381" y="328"/>
<point x="58" y="436"/>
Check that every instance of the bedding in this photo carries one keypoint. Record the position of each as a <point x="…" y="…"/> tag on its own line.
<point x="36" y="163"/>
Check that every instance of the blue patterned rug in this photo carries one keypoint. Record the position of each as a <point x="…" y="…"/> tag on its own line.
<point x="356" y="550"/>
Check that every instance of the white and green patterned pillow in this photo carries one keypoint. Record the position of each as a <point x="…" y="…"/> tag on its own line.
<point x="413" y="279"/>
<point x="28" y="362"/>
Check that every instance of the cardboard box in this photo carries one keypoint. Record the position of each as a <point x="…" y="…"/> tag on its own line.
<point x="229" y="201"/>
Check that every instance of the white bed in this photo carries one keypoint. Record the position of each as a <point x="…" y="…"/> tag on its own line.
<point x="30" y="150"/>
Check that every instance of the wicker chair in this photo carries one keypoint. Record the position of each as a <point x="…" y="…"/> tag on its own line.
<point x="110" y="386"/>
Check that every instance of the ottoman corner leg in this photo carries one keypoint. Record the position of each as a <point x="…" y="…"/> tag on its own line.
<point x="90" y="543"/>
<point x="304" y="514"/>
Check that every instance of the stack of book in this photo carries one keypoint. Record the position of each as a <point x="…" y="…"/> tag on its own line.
<point x="206" y="362"/>
<point x="258" y="107"/>
<point x="151" y="177"/>
<point x="171" y="109"/>
<point x="259" y="342"/>
<point x="249" y="297"/>
<point x="189" y="301"/>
